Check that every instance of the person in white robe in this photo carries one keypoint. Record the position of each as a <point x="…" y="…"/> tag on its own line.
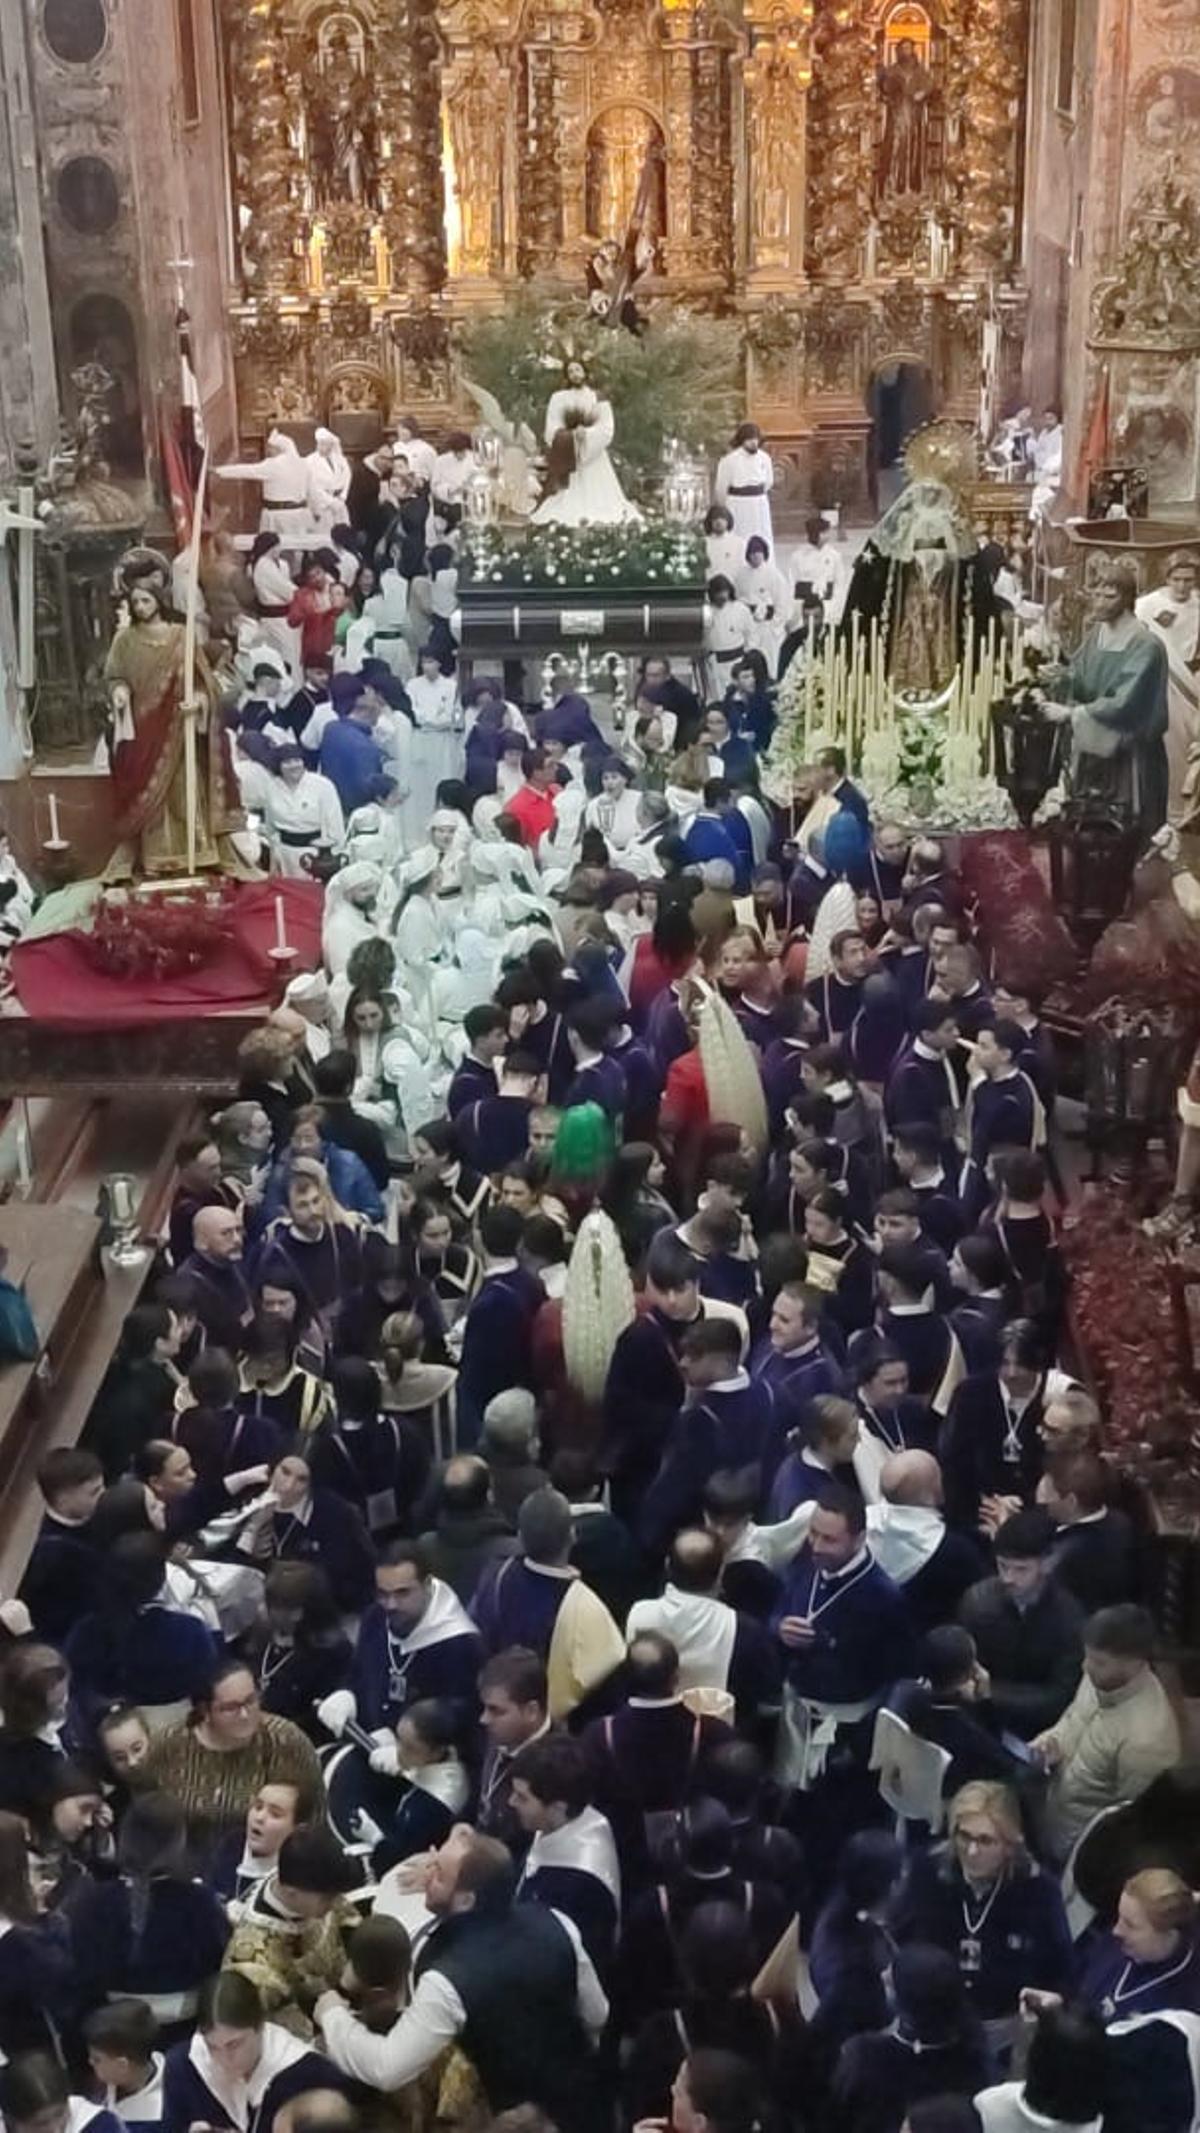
<point x="327" y="473"/>
<point x="349" y="913"/>
<point x="382" y="628"/>
<point x="417" y="934"/>
<point x="284" y="483"/>
<point x="302" y="813"/>
<point x="726" y="637"/>
<point x="818" y="563"/>
<point x="252" y="768"/>
<point x="451" y="840"/>
<point x="452" y="468"/>
<point x="416" y="451"/>
<point x="1172" y="611"/>
<point x="744" y="479"/>
<point x="438" y="750"/>
<point x="615" y="810"/>
<point x="762" y="588"/>
<point x="579" y="431"/>
<point x="308" y="996"/>
<point x="1046" y="453"/>
<point x="274" y="590"/>
<point x="725" y="550"/>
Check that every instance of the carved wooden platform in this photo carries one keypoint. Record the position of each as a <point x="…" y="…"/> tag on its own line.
<point x="196" y="1058"/>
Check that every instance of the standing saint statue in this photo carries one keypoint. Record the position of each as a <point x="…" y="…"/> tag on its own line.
<point x="906" y="88"/>
<point x="144" y="672"/>
<point x="1113" y="694"/>
<point x="581" y="481"/>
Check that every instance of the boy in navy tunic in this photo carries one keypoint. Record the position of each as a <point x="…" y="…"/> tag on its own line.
<point x="497" y="1348"/>
<point x="572" y="1862"/>
<point x="1004" y="1110"/>
<point x="598" y="1077"/>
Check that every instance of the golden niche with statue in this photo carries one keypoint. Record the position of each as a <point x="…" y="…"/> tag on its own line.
<point x="843" y="173"/>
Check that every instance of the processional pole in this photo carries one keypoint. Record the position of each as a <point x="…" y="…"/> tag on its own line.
<point x="190" y="702"/>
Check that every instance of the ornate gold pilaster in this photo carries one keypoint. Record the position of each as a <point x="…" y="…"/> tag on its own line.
<point x="984" y="79"/>
<point x="680" y="133"/>
<point x="408" y="60"/>
<point x="539" y="225"/>
<point x="839" y="149"/>
<point x="777" y="74"/>
<point x="267" y="173"/>
<point x="476" y="88"/>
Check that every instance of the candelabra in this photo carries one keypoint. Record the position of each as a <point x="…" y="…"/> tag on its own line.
<point x="124" y="1247"/>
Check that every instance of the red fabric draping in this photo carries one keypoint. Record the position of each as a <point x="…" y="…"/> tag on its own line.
<point x="57" y="986"/>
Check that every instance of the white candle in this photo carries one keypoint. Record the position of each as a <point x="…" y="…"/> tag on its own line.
<point x="281" y="939"/>
<point x="24" y="1156"/>
<point x="54" y="836"/>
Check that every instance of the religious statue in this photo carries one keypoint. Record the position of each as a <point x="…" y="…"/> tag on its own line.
<point x="476" y="141"/>
<point x="777" y="113"/>
<point x="344" y="135"/>
<point x="1113" y="694"/>
<point x="144" y="672"/>
<point x="906" y="87"/>
<point x="920" y="575"/>
<point x="581" y="482"/>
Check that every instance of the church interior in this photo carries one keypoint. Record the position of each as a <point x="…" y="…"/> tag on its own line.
<point x="600" y="767"/>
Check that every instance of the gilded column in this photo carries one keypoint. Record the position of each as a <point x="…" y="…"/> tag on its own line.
<point x="776" y="77"/>
<point x="990" y="52"/>
<point x="476" y="87"/>
<point x="680" y="130"/>
<point x="409" y="69"/>
<point x="712" y="169"/>
<point x="266" y="173"/>
<point x="840" y="159"/>
<point x="539" y="224"/>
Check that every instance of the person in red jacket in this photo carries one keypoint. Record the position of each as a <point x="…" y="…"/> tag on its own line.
<point x="532" y="808"/>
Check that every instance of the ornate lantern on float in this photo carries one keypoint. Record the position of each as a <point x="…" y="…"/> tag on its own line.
<point x="1092" y="858"/>
<point x="481" y="509"/>
<point x="1133" y="1057"/>
<point x="684" y="492"/>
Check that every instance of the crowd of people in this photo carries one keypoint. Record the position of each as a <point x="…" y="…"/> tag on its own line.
<point x="587" y="1598"/>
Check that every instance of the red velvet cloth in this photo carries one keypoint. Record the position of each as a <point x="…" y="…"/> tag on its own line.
<point x="58" y="987"/>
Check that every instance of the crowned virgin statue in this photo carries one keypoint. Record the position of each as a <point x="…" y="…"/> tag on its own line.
<point x="581" y="485"/>
<point x="144" y="673"/>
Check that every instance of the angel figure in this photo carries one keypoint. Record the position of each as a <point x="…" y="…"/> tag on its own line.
<point x="518" y="481"/>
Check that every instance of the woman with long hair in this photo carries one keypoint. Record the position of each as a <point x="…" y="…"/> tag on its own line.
<point x="634" y="1199"/>
<point x="152" y="1933"/>
<point x="36" y="1971"/>
<point x="36" y="1737"/>
<point x="239" y="2069"/>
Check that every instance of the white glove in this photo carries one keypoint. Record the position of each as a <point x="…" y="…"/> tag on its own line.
<point x="336" y="1710"/>
<point x="366" y="1831"/>
<point x="385" y="1756"/>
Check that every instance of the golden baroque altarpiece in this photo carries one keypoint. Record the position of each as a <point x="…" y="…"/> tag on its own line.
<point x="843" y="174"/>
